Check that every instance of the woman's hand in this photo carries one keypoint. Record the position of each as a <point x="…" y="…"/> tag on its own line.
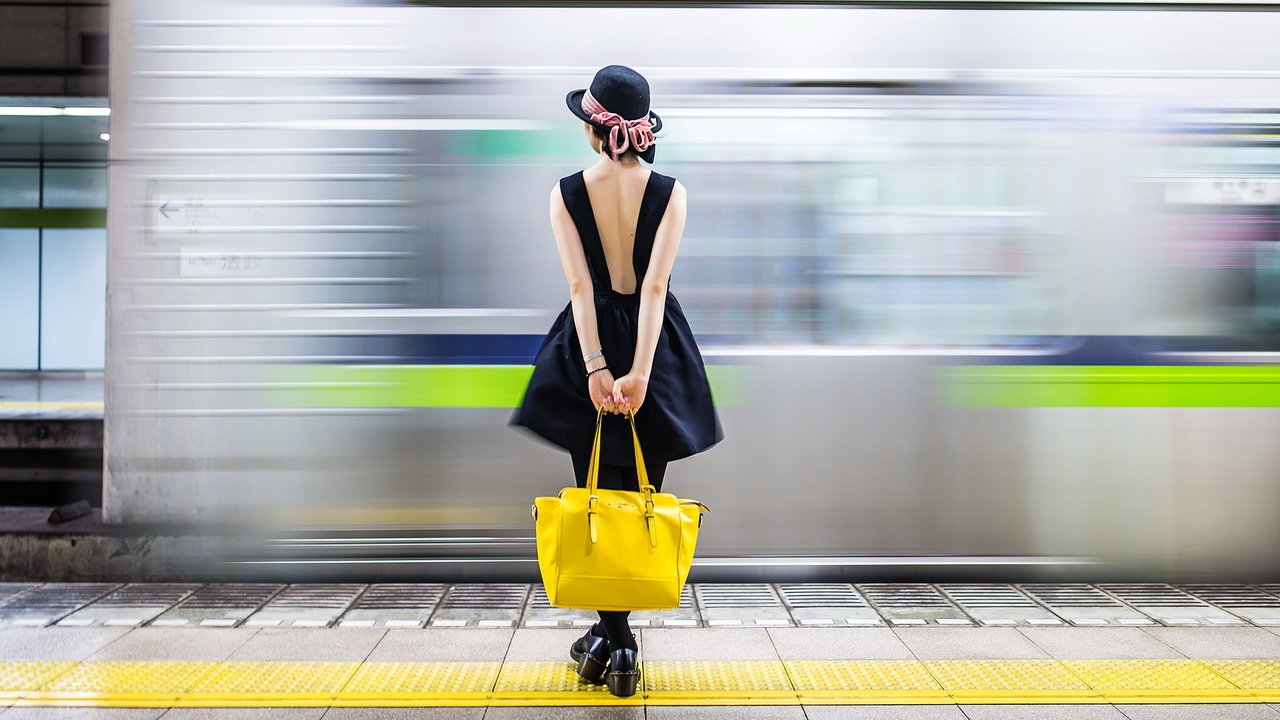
<point x="629" y="391"/>
<point x="600" y="386"/>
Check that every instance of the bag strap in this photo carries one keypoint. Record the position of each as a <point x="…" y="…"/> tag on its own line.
<point x="642" y="475"/>
<point x="593" y="466"/>
<point x="642" y="479"/>
<point x="593" y="478"/>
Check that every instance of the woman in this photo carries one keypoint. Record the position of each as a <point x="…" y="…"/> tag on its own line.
<point x="622" y="344"/>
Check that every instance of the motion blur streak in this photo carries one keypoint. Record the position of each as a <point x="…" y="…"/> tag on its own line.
<point x="971" y="283"/>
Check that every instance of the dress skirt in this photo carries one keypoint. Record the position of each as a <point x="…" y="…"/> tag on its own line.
<point x="677" y="418"/>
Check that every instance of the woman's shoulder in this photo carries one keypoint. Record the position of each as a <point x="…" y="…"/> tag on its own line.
<point x="669" y="179"/>
<point x="576" y="180"/>
<point x="670" y="182"/>
<point x="672" y="189"/>
<point x="570" y="178"/>
<point x="668" y="188"/>
<point x="567" y="185"/>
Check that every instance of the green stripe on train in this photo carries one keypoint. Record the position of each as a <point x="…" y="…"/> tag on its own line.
<point x="458" y="386"/>
<point x="502" y="386"/>
<point x="1111" y="386"/>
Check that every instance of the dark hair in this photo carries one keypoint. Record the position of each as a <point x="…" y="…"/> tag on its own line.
<point x="603" y="137"/>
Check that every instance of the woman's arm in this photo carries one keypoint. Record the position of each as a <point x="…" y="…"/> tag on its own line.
<point x="582" y="297"/>
<point x="629" y="391"/>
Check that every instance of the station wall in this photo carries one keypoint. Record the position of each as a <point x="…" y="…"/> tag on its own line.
<point x="52" y="277"/>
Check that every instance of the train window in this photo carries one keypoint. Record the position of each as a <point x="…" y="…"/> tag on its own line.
<point x="902" y="222"/>
<point x="1213" y="249"/>
<point x="818" y="216"/>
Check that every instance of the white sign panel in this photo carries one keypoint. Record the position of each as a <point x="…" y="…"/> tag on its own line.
<point x="1223" y="191"/>
<point x="195" y="262"/>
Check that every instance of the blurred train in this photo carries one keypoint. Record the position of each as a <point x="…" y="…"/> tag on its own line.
<point x="983" y="292"/>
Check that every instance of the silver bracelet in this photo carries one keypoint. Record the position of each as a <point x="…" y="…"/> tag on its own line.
<point x="588" y="358"/>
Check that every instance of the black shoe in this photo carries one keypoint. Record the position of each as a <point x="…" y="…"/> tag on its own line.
<point x="624" y="671"/>
<point x="592" y="655"/>
<point x="579" y="646"/>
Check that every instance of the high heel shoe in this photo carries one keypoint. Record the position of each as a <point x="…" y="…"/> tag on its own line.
<point x="624" y="671"/>
<point x="592" y="655"/>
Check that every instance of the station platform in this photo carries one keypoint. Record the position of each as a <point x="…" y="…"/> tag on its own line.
<point x="51" y="396"/>
<point x="791" y="651"/>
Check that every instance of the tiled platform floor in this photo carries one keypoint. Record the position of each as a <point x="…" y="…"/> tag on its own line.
<point x="1135" y="667"/>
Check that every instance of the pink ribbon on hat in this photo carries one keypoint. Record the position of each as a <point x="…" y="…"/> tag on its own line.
<point x="622" y="132"/>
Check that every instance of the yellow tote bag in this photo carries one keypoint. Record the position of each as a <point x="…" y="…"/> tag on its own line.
<point x="601" y="549"/>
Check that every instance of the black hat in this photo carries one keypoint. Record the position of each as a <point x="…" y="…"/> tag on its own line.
<point x="620" y="90"/>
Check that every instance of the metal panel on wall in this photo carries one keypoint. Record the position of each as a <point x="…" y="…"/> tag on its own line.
<point x="73" y="292"/>
<point x="19" y="298"/>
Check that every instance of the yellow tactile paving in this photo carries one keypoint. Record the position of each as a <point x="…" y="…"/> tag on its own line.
<point x="1164" y="679"/>
<point x="905" y="681"/>
<point x="270" y="683"/>
<point x="21" y="677"/>
<point x="420" y="683"/>
<point x="758" y="681"/>
<point x="1014" y="679"/>
<point x="153" y="682"/>
<point x="663" y="682"/>
<point x="1261" y="677"/>
<point x="549" y="683"/>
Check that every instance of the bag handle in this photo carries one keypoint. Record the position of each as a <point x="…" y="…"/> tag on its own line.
<point x="642" y="478"/>
<point x="593" y="467"/>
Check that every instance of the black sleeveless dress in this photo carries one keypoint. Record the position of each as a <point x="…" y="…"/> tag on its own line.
<point x="677" y="418"/>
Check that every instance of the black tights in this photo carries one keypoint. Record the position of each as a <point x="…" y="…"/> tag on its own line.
<point x="615" y="627"/>
<point x="614" y="623"/>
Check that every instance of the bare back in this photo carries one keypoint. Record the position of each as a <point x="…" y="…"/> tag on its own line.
<point x="616" y="196"/>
